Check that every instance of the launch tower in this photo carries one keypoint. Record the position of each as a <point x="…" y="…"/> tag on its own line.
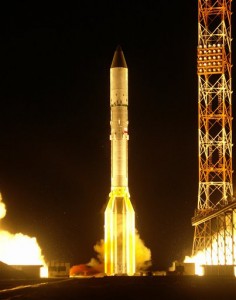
<point x="215" y="216"/>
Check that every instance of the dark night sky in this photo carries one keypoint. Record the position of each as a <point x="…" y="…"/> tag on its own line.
<point x="54" y="121"/>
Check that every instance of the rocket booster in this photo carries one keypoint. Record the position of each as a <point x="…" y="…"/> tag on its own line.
<point x="119" y="240"/>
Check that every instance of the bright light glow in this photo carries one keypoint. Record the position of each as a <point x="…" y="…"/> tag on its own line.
<point x="198" y="260"/>
<point x="2" y="208"/>
<point x="44" y="271"/>
<point x="19" y="249"/>
<point x="221" y="253"/>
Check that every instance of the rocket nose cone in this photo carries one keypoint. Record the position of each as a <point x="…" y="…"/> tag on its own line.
<point x="118" y="59"/>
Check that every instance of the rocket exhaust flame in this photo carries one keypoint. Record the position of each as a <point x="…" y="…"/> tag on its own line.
<point x="19" y="249"/>
<point x="119" y="250"/>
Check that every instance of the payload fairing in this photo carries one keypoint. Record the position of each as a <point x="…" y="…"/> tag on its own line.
<point x="119" y="240"/>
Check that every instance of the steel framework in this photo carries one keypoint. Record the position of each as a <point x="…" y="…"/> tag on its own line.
<point x="215" y="216"/>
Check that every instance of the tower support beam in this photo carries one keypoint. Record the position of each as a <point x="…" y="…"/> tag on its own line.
<point x="214" y="219"/>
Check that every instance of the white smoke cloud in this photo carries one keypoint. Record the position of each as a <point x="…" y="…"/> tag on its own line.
<point x="142" y="255"/>
<point x="98" y="262"/>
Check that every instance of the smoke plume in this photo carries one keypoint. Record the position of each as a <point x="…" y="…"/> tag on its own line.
<point x="98" y="262"/>
<point x="143" y="255"/>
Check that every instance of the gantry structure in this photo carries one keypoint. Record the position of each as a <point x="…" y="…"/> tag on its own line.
<point x="215" y="217"/>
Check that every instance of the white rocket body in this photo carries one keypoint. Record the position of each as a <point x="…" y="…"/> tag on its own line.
<point x="119" y="240"/>
<point x="119" y="125"/>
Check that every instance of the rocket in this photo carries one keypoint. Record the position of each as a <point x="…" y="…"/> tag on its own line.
<point x="119" y="227"/>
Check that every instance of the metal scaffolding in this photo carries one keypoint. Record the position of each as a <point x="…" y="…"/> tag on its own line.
<point x="215" y="216"/>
